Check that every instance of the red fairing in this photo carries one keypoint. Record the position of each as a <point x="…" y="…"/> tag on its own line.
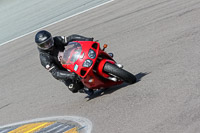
<point x="86" y="46"/>
<point x="86" y="59"/>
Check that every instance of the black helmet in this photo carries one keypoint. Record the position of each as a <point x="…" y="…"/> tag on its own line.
<point x="44" y="40"/>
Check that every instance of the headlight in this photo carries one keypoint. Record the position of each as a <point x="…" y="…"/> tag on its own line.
<point x="92" y="54"/>
<point x="87" y="63"/>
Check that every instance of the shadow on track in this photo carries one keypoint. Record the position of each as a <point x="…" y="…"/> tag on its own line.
<point x="99" y="93"/>
<point x="140" y="75"/>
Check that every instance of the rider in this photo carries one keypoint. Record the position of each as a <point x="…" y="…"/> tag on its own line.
<point x="49" y="48"/>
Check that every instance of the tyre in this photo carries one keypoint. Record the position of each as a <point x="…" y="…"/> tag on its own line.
<point x="112" y="69"/>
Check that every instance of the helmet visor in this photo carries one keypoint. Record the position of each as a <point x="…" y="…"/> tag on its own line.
<point x="47" y="44"/>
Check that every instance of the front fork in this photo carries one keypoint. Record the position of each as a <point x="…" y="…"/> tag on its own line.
<point x="102" y="73"/>
<point x="103" y="62"/>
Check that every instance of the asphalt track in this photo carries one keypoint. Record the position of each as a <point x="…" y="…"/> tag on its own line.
<point x="158" y="41"/>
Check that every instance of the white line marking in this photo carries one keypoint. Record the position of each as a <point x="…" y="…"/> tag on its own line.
<point x="57" y="22"/>
<point x="5" y="131"/>
<point x="50" y="130"/>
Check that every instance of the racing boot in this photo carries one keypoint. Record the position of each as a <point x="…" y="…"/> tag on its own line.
<point x="88" y="91"/>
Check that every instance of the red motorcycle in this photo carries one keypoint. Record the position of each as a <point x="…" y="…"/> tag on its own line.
<point x="96" y="68"/>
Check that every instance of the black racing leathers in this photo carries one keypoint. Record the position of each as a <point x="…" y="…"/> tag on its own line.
<point x="50" y="60"/>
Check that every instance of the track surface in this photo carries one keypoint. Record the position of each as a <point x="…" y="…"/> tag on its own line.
<point x="158" y="41"/>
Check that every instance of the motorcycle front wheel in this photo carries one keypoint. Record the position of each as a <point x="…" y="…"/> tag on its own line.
<point x="112" y="69"/>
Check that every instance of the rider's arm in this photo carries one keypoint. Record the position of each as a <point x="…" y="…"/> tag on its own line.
<point x="63" y="40"/>
<point x="48" y="64"/>
<point x="76" y="37"/>
<point x="61" y="74"/>
<point x="60" y="40"/>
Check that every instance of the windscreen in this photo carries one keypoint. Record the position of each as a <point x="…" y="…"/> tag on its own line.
<point x="71" y="53"/>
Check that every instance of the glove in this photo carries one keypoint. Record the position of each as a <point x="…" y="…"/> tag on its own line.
<point x="73" y="76"/>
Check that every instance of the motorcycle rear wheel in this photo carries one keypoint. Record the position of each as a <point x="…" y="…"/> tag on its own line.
<point x="120" y="73"/>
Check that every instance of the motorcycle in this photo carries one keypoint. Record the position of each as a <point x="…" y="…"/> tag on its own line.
<point x="96" y="68"/>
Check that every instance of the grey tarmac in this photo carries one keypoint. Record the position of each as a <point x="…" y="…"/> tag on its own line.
<point x="158" y="41"/>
